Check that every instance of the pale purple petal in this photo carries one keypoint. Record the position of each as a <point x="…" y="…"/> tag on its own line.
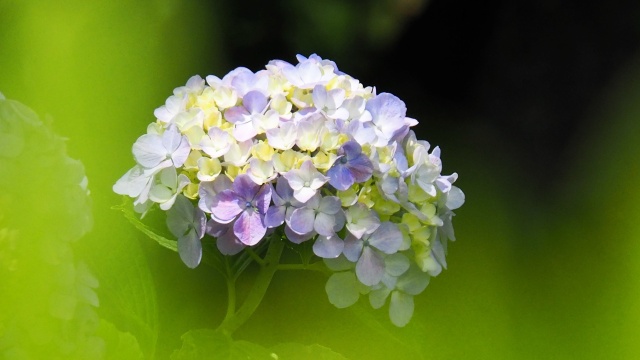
<point x="255" y="102"/>
<point x="225" y="207"/>
<point x="328" y="246"/>
<point x="216" y="229"/>
<point x="370" y="267"/>
<point x="352" y="248"/>
<point x="228" y="244"/>
<point x="275" y="216"/>
<point x="284" y="190"/>
<point x="330" y="205"/>
<point x="338" y="221"/>
<point x="249" y="228"/>
<point x="387" y="238"/>
<point x="275" y="196"/>
<point x="263" y="198"/>
<point x="302" y="220"/>
<point x="313" y="202"/>
<point x="324" y="224"/>
<point x="297" y="238"/>
<point x="388" y="112"/>
<point x="190" y="249"/>
<point x="245" y="188"/>
<point x="209" y="189"/>
<point x="236" y="114"/>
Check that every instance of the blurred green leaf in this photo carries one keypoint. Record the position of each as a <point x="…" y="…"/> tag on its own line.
<point x="209" y="344"/>
<point x="294" y="351"/>
<point x="127" y="293"/>
<point x="119" y="345"/>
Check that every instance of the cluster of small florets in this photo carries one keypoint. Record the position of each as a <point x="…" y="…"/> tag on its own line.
<point x="309" y="151"/>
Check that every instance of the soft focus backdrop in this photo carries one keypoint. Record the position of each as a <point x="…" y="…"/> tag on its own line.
<point x="535" y="105"/>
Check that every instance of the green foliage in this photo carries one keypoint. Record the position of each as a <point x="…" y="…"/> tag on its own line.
<point x="294" y="351"/>
<point x="119" y="345"/>
<point x="203" y="344"/>
<point x="127" y="290"/>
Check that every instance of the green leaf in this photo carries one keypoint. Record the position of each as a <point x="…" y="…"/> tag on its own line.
<point x="126" y="291"/>
<point x="294" y="351"/>
<point x="118" y="345"/>
<point x="126" y="208"/>
<point x="209" y="344"/>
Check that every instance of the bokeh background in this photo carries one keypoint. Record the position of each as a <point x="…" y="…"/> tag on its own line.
<point x="536" y="105"/>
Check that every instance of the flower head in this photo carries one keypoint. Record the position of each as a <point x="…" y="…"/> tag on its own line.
<point x="305" y="152"/>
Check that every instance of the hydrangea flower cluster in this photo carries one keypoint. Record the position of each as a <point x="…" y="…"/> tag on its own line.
<point x="308" y="151"/>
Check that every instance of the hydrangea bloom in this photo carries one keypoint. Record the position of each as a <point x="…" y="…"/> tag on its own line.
<point x="306" y="151"/>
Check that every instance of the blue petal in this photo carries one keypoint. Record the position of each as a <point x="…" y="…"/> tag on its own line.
<point x="340" y="177"/>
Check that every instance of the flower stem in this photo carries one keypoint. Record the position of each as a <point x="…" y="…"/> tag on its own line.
<point x="231" y="298"/>
<point x="233" y="321"/>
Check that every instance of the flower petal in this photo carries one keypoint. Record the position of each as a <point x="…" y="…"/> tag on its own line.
<point x="225" y="207"/>
<point x="180" y="216"/>
<point x="324" y="224"/>
<point x="190" y="249"/>
<point x="400" y="308"/>
<point x="396" y="264"/>
<point x="274" y="216"/>
<point x="352" y="248"/>
<point x="342" y="289"/>
<point x="228" y="244"/>
<point x="328" y="247"/>
<point x="340" y="177"/>
<point x="263" y="198"/>
<point x="370" y="267"/>
<point x="377" y="298"/>
<point x="302" y="220"/>
<point x="148" y="150"/>
<point x="249" y="228"/>
<point x="413" y="282"/>
<point x="387" y="238"/>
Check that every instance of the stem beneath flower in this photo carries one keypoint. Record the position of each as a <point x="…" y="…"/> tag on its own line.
<point x="233" y="321"/>
<point x="315" y="267"/>
<point x="231" y="298"/>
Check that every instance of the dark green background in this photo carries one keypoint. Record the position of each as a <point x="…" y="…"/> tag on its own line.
<point x="535" y="106"/>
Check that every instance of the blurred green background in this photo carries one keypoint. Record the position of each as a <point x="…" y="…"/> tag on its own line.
<point x="535" y="106"/>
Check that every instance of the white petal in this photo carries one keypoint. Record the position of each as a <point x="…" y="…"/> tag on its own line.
<point x="148" y="150"/>
<point x="455" y="198"/>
